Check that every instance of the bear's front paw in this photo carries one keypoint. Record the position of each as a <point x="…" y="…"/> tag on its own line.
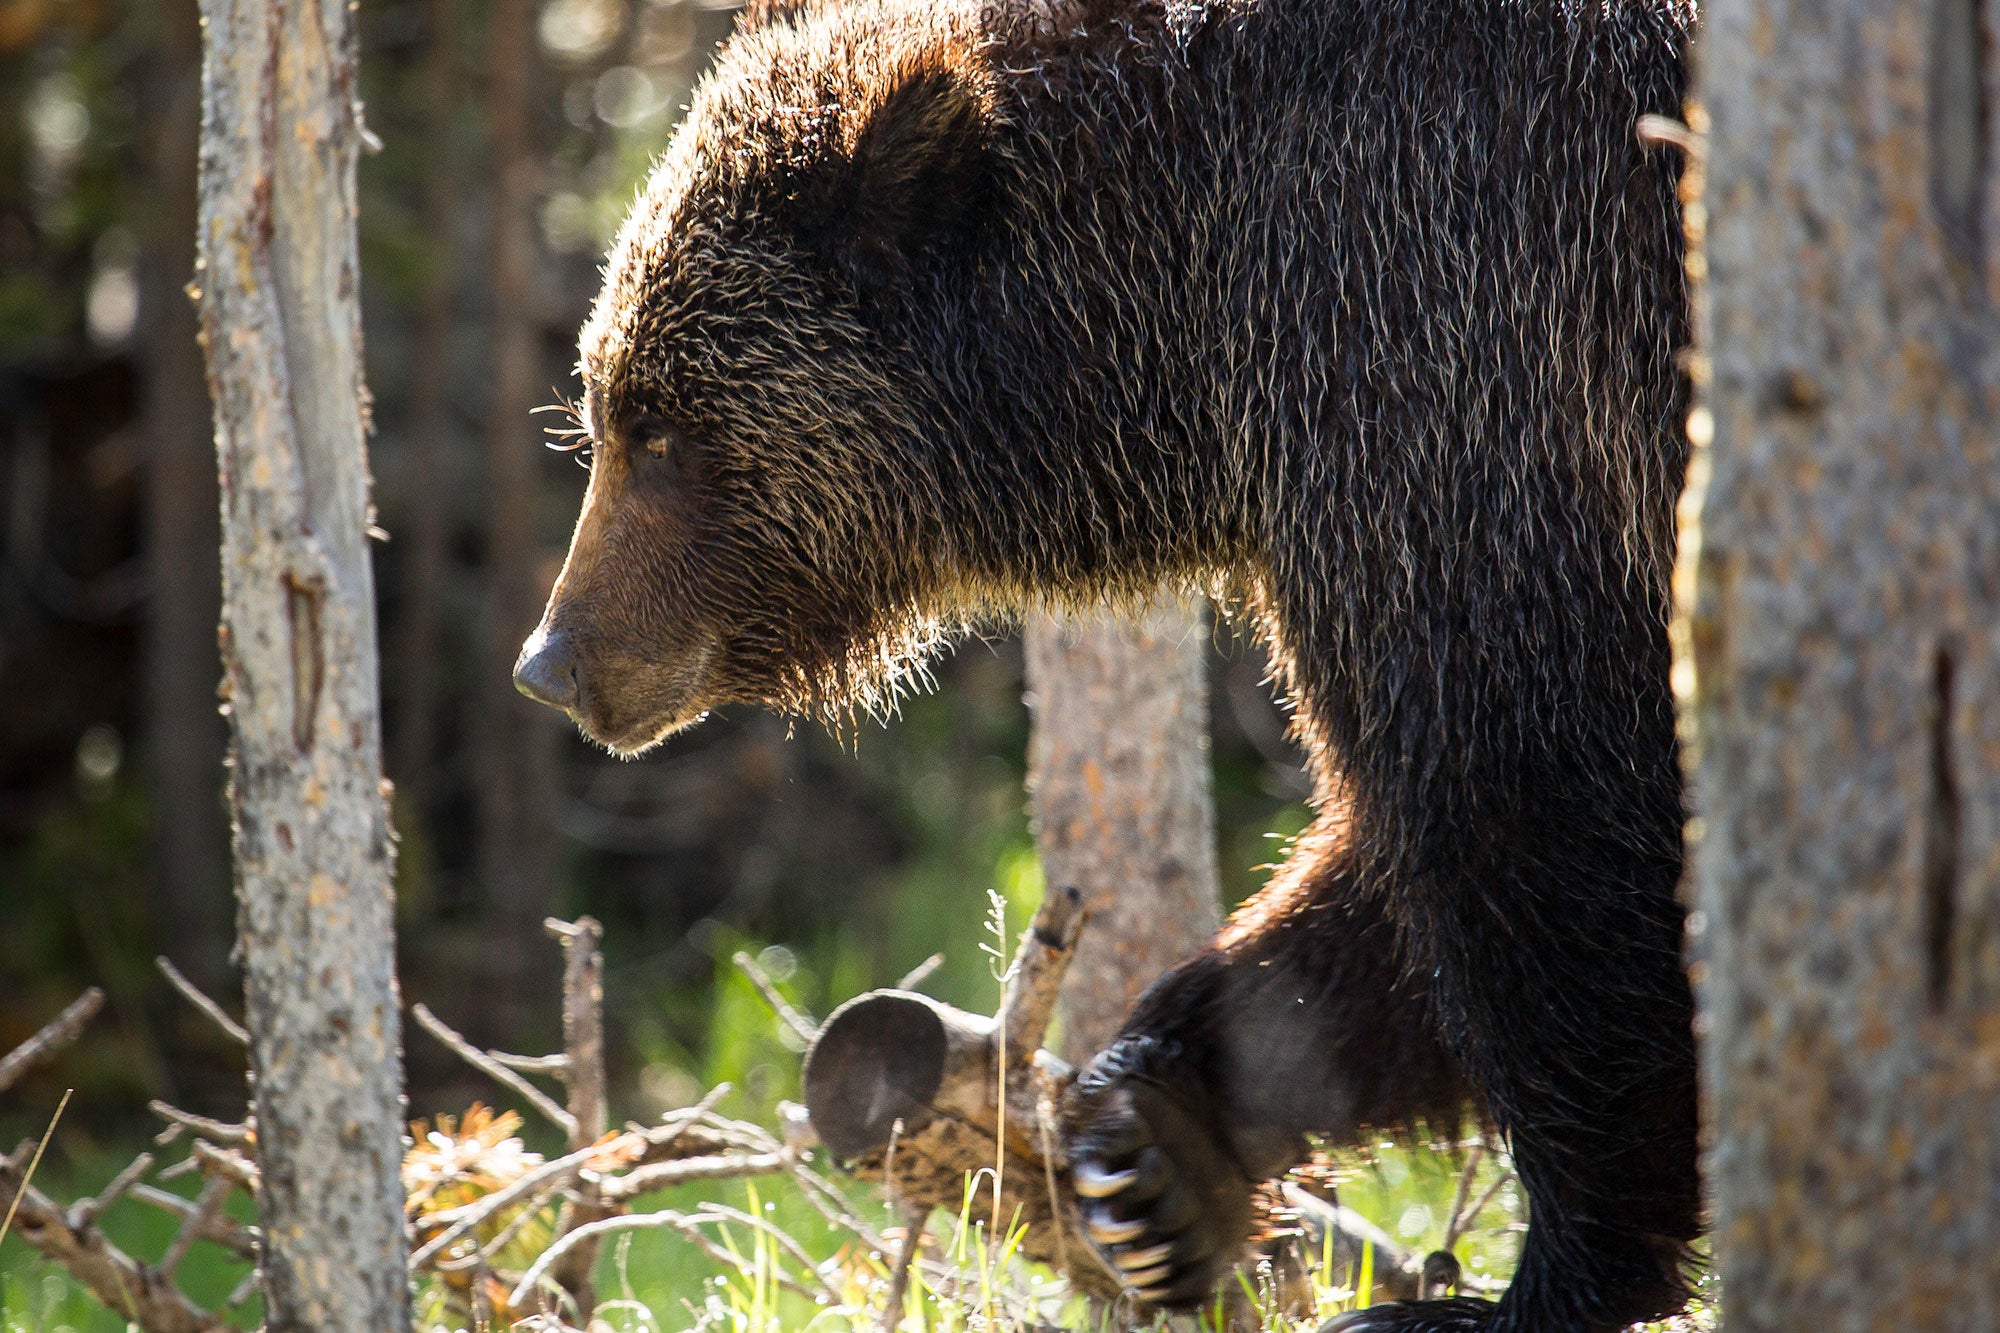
<point x="1163" y="1201"/>
<point x="1460" y="1315"/>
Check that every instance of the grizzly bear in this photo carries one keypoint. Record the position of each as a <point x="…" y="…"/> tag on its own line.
<point x="1363" y="316"/>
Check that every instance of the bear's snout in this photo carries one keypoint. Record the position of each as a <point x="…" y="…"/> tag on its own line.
<point x="547" y="671"/>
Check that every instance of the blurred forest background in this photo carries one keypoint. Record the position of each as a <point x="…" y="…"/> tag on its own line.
<point x="513" y="135"/>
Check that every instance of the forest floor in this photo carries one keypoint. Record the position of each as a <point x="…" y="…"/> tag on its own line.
<point x="656" y="1282"/>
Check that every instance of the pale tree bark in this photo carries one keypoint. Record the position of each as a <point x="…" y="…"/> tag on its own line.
<point x="1844" y="547"/>
<point x="1118" y="767"/>
<point x="517" y="738"/>
<point x="184" y="748"/>
<point x="281" y="327"/>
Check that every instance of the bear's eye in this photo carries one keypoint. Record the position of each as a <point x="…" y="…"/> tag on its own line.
<point x="658" y="439"/>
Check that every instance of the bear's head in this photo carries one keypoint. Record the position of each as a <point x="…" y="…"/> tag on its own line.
<point x="762" y="517"/>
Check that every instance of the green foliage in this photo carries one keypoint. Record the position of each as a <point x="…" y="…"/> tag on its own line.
<point x="77" y="904"/>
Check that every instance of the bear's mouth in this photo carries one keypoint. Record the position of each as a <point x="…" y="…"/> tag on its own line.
<point x="653" y="700"/>
<point x="635" y="740"/>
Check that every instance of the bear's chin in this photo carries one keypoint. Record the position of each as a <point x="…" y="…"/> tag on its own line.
<point x="639" y="731"/>
<point x="631" y="741"/>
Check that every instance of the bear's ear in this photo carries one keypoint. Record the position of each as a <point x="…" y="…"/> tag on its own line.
<point x="919" y="179"/>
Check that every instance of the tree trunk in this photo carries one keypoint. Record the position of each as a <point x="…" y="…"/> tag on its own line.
<point x="1845" y="652"/>
<point x="184" y="750"/>
<point x="517" y="738"/>
<point x="281" y="326"/>
<point x="1119" y="772"/>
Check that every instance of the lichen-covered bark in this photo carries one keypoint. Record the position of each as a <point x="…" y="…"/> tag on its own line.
<point x="1843" y="552"/>
<point x="1119" y="767"/>
<point x="281" y="327"/>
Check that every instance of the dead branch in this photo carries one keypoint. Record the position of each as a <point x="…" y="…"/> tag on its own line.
<point x="967" y="1091"/>
<point x="199" y="1218"/>
<point x="689" y="1225"/>
<point x="646" y="1179"/>
<point x="59" y="1032"/>
<point x="494" y="1069"/>
<point x="554" y="1175"/>
<point x="801" y="1025"/>
<point x="215" y="1131"/>
<point x="899" y="1276"/>
<point x="921" y="973"/>
<point x="85" y="1211"/>
<point x="583" y="1024"/>
<point x="218" y="1227"/>
<point x="132" y="1290"/>
<point x="554" y="1066"/>
<point x="583" y="1073"/>
<point x="1456" y="1219"/>
<point x="1462" y="1223"/>
<point x="234" y="1167"/>
<point x="200" y="999"/>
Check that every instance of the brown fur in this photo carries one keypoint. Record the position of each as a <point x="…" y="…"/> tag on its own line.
<point x="1361" y="312"/>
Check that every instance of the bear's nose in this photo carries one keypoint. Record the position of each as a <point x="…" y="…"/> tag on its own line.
<point x="547" y="671"/>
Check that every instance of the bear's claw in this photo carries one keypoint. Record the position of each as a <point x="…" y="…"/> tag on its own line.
<point x="1165" y="1205"/>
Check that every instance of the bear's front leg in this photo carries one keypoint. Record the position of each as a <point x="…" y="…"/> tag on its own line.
<point x="1300" y="1019"/>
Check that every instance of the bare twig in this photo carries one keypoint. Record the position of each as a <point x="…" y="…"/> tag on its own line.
<point x="482" y="1257"/>
<point x="245" y="1289"/>
<point x="688" y="1224"/>
<point x="200" y="999"/>
<point x="85" y="1211"/>
<point x="645" y="1179"/>
<point x="834" y="1206"/>
<point x="493" y="1069"/>
<point x="215" y="1131"/>
<point x="554" y="1066"/>
<point x="546" y="1178"/>
<point x="921" y="973"/>
<point x="1664" y="131"/>
<point x="801" y="1025"/>
<point x="1463" y="1224"/>
<point x="132" y="1290"/>
<point x="899" y="1277"/>
<point x="1453" y="1226"/>
<point x="196" y="1223"/>
<point x="220" y="1228"/>
<point x="784" y="1238"/>
<point x="59" y="1032"/>
<point x="232" y="1166"/>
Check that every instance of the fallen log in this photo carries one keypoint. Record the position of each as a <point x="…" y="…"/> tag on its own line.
<point x="922" y="1096"/>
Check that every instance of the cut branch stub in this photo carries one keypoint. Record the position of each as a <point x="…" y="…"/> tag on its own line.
<point x="894" y="1058"/>
<point x="882" y="1058"/>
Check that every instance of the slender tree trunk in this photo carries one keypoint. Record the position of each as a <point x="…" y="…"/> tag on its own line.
<point x="518" y="738"/>
<point x="1119" y="770"/>
<point x="424" y="492"/>
<point x="184" y="750"/>
<point x="281" y="326"/>
<point x="1845" y="653"/>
